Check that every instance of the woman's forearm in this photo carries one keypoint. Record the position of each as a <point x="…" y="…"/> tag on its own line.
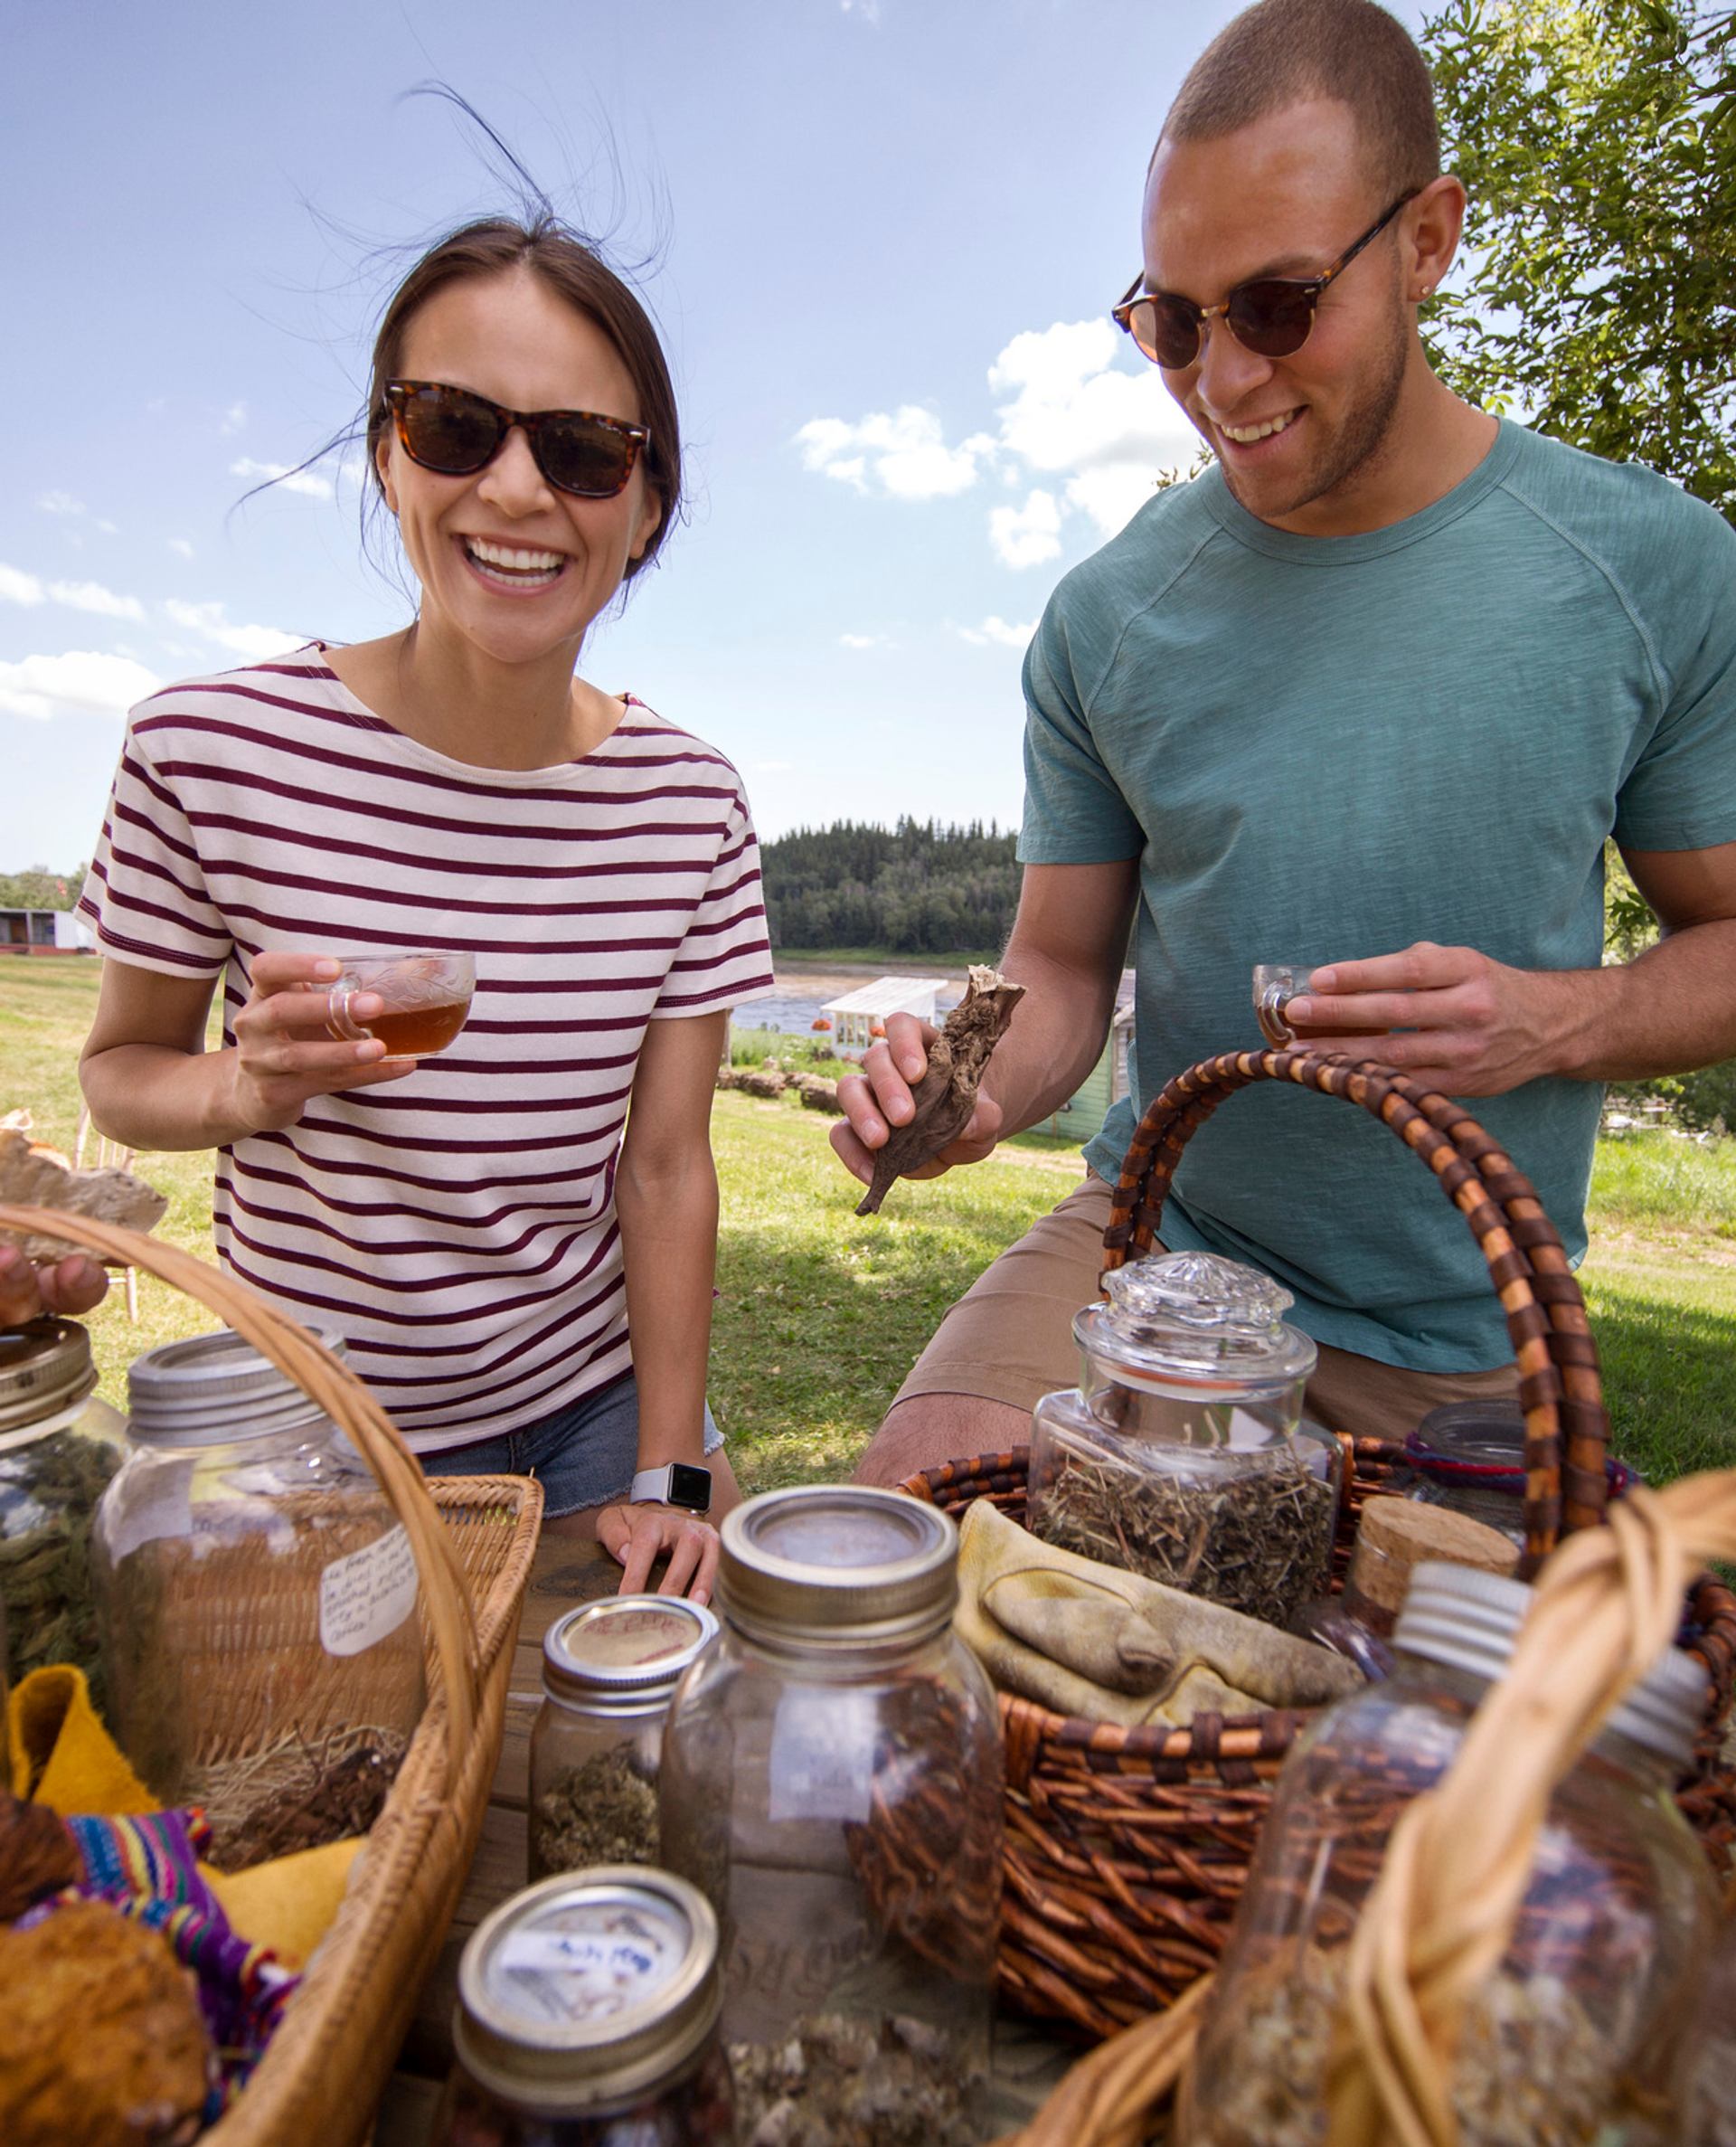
<point x="154" y="1096"/>
<point x="667" y="1211"/>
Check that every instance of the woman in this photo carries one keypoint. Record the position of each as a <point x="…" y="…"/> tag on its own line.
<point x="475" y="1224"/>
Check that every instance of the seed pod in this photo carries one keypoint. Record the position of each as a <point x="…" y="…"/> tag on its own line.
<point x="945" y="1095"/>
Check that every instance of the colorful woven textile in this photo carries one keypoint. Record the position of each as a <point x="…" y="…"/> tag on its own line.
<point x="147" y="1867"/>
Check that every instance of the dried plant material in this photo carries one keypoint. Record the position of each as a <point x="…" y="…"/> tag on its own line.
<point x="34" y="1176"/>
<point x="1255" y="1539"/>
<point x="836" y="2081"/>
<point x="296" y="1794"/>
<point x="101" y="2040"/>
<point x="49" y="1491"/>
<point x="945" y="1095"/>
<point x="38" y="1856"/>
<point x="603" y="1812"/>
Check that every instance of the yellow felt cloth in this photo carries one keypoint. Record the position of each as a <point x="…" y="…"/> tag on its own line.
<point x="1086" y="1638"/>
<point x="63" y="1757"/>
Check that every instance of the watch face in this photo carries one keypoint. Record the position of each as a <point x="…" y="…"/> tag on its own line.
<point x="689" y="1487"/>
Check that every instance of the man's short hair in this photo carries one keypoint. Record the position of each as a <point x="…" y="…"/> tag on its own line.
<point x="1282" y="51"/>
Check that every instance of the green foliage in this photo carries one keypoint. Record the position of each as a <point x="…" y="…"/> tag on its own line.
<point x="40" y="889"/>
<point x="1598" y="141"/>
<point x="917" y="888"/>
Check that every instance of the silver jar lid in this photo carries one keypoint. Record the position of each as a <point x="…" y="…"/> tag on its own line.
<point x="1194" y="1315"/>
<point x="588" y="1988"/>
<point x="45" y="1370"/>
<point x="214" y="1389"/>
<point x="838" y="1565"/>
<point x="626" y="1654"/>
<point x="1462" y="1619"/>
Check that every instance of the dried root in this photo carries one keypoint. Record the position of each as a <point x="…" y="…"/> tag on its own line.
<point x="946" y="1094"/>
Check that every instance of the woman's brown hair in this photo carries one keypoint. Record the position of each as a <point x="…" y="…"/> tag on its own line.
<point x="492" y="247"/>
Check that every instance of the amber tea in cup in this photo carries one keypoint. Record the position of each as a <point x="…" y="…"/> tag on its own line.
<point x="427" y="999"/>
<point x="1276" y="984"/>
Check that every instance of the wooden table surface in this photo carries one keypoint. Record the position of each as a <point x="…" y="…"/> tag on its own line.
<point x="1027" y="2059"/>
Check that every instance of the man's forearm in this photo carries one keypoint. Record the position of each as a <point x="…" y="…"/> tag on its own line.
<point x="1669" y="1011"/>
<point x="1056" y="1036"/>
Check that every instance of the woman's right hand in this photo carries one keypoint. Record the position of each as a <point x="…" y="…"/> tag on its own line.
<point x="284" y="1053"/>
<point x="880" y="1097"/>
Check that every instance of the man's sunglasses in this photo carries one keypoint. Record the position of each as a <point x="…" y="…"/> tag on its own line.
<point x="1273" y="316"/>
<point x="456" y="434"/>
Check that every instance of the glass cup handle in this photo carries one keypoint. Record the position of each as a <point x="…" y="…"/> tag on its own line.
<point x="1269" y="1014"/>
<point x="337" y="1015"/>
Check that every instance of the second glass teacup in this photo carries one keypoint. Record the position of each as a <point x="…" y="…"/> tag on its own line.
<point x="427" y="999"/>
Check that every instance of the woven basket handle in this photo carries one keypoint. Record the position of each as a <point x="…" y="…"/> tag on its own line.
<point x="336" y="1389"/>
<point x="1567" y="1428"/>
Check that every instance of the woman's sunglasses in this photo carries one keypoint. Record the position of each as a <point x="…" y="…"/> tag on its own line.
<point x="456" y="434"/>
<point x="1273" y="316"/>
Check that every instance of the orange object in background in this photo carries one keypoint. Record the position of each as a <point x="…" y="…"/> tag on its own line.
<point x="822" y="1021"/>
<point x="877" y="1029"/>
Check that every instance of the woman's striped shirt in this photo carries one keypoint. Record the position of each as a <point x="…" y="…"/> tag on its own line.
<point x="457" y="1226"/>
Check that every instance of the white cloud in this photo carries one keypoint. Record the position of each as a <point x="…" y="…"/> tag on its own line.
<point x="1026" y="535"/>
<point x="904" y="452"/>
<point x="181" y="546"/>
<point x="41" y="686"/>
<point x="19" y="588"/>
<point x="61" y="503"/>
<point x="234" y="419"/>
<point x="109" y="529"/>
<point x="861" y="640"/>
<point x="252" y="643"/>
<point x="996" y="630"/>
<point x="282" y="473"/>
<point x="864" y="11"/>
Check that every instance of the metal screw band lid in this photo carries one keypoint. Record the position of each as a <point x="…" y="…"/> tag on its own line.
<point x="588" y="1987"/>
<point x="214" y="1389"/>
<point x="625" y="1654"/>
<point x="45" y="1370"/>
<point x="1466" y="1620"/>
<point x="838" y="1564"/>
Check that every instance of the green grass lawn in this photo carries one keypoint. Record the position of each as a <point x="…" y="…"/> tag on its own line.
<point x="820" y="1314"/>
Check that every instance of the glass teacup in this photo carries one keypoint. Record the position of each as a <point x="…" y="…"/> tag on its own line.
<point x="427" y="998"/>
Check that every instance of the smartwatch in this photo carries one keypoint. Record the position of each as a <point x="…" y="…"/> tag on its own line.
<point x="677" y="1483"/>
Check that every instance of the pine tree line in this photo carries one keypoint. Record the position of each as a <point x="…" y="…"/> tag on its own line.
<point x="918" y="888"/>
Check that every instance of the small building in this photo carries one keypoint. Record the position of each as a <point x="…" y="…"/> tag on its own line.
<point x="45" y="932"/>
<point x="1107" y="1083"/>
<point x="856" y="1015"/>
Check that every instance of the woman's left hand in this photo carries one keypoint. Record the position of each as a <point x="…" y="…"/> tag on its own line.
<point x="638" y="1536"/>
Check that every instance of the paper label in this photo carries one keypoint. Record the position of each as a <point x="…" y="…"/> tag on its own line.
<point x="366" y="1595"/>
<point x="822" y="1763"/>
<point x="159" y="1503"/>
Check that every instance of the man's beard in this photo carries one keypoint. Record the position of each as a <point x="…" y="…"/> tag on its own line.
<point x="1359" y="444"/>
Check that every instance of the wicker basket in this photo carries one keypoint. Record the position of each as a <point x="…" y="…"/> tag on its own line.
<point x="473" y="1537"/>
<point x="1127" y="1849"/>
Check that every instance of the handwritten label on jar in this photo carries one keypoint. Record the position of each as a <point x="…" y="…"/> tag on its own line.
<point x="366" y="1595"/>
<point x="822" y="1760"/>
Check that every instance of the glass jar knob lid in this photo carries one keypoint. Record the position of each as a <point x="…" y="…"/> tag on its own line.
<point x="1190" y="1309"/>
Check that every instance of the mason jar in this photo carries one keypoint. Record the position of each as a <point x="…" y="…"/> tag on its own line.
<point x="256" y="1602"/>
<point x="609" y="1670"/>
<point x="586" y="2017"/>
<point x="1577" y="2036"/>
<point x="1182" y="1454"/>
<point x="832" y="1781"/>
<point x="60" y="1445"/>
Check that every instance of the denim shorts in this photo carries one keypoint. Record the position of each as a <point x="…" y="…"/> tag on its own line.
<point x="586" y="1454"/>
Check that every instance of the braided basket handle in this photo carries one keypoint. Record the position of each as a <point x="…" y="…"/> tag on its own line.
<point x="333" y="1387"/>
<point x="1567" y="1427"/>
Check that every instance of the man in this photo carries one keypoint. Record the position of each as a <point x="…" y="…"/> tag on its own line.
<point x="1368" y="694"/>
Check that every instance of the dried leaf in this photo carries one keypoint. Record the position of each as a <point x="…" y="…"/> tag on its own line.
<point x="945" y="1095"/>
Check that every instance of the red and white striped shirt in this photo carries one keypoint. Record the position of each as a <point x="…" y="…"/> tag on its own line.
<point x="457" y="1226"/>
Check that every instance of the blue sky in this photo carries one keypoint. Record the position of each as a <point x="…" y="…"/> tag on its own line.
<point x="887" y="233"/>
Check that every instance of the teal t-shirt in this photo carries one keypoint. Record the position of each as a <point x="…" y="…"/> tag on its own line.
<point x="1320" y="749"/>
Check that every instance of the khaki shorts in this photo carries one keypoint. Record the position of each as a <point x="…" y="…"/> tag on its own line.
<point x="1010" y="1338"/>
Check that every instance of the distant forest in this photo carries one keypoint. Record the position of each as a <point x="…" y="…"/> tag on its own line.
<point x="917" y="888"/>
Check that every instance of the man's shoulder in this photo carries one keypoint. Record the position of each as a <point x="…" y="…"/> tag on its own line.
<point x="1139" y="565"/>
<point x="1639" y="528"/>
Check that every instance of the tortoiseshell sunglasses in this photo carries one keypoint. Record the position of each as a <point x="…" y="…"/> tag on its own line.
<point x="1273" y="316"/>
<point x="455" y="433"/>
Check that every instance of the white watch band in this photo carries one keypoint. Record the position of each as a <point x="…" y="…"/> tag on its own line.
<point x="651" y="1486"/>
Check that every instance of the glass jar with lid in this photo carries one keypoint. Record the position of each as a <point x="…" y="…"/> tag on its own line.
<point x="1577" y="2035"/>
<point x="59" y="1444"/>
<point x="257" y="1600"/>
<point x="1470" y="1458"/>
<point x="586" y="2017"/>
<point x="831" y="1780"/>
<point x="609" y="1670"/>
<point x="1182" y="1454"/>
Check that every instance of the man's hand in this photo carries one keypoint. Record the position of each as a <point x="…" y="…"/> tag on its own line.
<point x="879" y="1098"/>
<point x="637" y="1537"/>
<point x="70" y="1286"/>
<point x="1476" y="1027"/>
